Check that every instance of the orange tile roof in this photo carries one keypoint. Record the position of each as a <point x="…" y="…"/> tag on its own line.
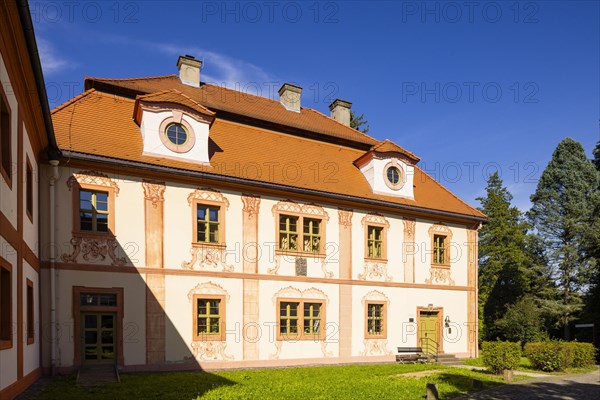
<point x="222" y="99"/>
<point x="242" y="151"/>
<point x="388" y="146"/>
<point x="174" y="96"/>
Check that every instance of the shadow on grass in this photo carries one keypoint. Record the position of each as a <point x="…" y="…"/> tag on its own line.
<point x="452" y="384"/>
<point x="140" y="385"/>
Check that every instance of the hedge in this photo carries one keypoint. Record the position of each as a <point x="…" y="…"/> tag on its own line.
<point x="498" y="356"/>
<point x="557" y="356"/>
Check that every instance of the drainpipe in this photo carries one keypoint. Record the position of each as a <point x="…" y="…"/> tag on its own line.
<point x="53" y="324"/>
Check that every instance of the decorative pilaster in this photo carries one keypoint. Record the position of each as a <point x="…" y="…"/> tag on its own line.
<point x="472" y="319"/>
<point x="345" y="303"/>
<point x="408" y="250"/>
<point x="250" y="286"/>
<point x="155" y="283"/>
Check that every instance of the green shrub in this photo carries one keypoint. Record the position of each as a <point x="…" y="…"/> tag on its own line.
<point x="557" y="356"/>
<point x="498" y="356"/>
<point x="545" y="356"/>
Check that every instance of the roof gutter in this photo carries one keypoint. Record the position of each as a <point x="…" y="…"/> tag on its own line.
<point x="53" y="151"/>
<point x="116" y="162"/>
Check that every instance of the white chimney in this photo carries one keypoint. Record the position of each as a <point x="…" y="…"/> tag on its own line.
<point x="289" y="96"/>
<point x="189" y="70"/>
<point x="340" y="111"/>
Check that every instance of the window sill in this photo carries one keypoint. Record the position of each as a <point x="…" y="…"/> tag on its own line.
<point x="318" y="338"/>
<point x="94" y="235"/>
<point x="30" y="341"/>
<point x="445" y="266"/>
<point x="220" y="246"/>
<point x="379" y="260"/>
<point x="375" y="336"/>
<point x="5" y="344"/>
<point x="7" y="177"/>
<point x="304" y="254"/>
<point x="209" y="338"/>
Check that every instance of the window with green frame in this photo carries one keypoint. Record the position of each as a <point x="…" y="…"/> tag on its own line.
<point x="207" y="219"/>
<point x="439" y="249"/>
<point x="375" y="319"/>
<point x="288" y="232"/>
<point x="300" y="319"/>
<point x="93" y="211"/>
<point x="375" y="242"/>
<point x="288" y="318"/>
<point x="312" y="319"/>
<point x="312" y="235"/>
<point x="208" y="317"/>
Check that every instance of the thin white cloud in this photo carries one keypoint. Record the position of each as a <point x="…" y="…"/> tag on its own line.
<point x="51" y="60"/>
<point x="218" y="68"/>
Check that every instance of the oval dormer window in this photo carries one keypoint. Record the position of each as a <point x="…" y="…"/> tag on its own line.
<point x="393" y="175"/>
<point x="177" y="134"/>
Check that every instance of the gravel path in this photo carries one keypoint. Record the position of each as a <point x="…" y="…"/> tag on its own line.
<point x="569" y="387"/>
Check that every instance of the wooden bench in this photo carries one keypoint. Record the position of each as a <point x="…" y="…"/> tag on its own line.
<point x="410" y="354"/>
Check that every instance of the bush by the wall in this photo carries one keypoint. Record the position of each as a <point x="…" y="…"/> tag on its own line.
<point x="556" y="356"/>
<point x="498" y="356"/>
<point x="546" y="356"/>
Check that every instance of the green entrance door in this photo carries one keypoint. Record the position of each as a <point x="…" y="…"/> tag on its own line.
<point x="428" y="332"/>
<point x="98" y="337"/>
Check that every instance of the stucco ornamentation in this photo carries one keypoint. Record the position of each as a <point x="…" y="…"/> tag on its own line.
<point x="375" y="295"/>
<point x="326" y="353"/>
<point x="251" y="204"/>
<point x="92" y="178"/>
<point x="275" y="356"/>
<point x="375" y="347"/>
<point x="375" y="219"/>
<point x="292" y="292"/>
<point x="154" y="191"/>
<point x="440" y="229"/>
<point x="207" y="258"/>
<point x="326" y="273"/>
<point x="207" y="194"/>
<point x="295" y="208"/>
<point x="374" y="271"/>
<point x="409" y="228"/>
<point x="439" y="275"/>
<point x="210" y="350"/>
<point x="208" y="288"/>
<point x="274" y="269"/>
<point x="345" y="217"/>
<point x="93" y="250"/>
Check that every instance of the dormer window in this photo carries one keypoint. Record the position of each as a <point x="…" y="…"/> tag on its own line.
<point x="177" y="134"/>
<point x="394" y="175"/>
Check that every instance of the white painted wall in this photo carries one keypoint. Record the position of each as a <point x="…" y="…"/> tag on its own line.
<point x="8" y="357"/>
<point x="31" y="352"/>
<point x="8" y="205"/>
<point x="374" y="174"/>
<point x="153" y="145"/>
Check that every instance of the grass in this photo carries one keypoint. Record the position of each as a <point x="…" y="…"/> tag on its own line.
<point x="525" y="365"/>
<point x="381" y="381"/>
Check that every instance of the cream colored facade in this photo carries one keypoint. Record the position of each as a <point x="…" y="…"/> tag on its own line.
<point x="251" y="338"/>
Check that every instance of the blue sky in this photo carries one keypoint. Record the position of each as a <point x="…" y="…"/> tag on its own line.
<point x="470" y="87"/>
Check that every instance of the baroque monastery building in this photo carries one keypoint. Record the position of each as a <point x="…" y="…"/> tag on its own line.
<point x="183" y="225"/>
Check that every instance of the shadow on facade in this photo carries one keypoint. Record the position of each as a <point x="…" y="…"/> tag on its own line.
<point x="119" y="312"/>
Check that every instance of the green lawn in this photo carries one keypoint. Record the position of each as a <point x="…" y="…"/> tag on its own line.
<point x="328" y="382"/>
<point x="525" y="365"/>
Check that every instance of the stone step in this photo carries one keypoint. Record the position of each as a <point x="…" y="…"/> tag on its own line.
<point x="98" y="374"/>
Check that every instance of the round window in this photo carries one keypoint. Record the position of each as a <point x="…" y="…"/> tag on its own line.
<point x="393" y="175"/>
<point x="177" y="134"/>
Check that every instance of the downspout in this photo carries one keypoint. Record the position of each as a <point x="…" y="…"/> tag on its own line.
<point x="53" y="323"/>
